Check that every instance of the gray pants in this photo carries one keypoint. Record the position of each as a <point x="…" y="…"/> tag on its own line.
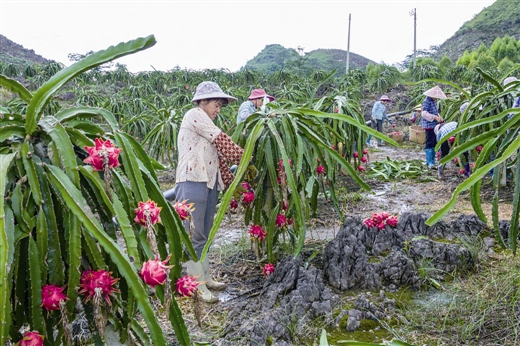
<point x="205" y="200"/>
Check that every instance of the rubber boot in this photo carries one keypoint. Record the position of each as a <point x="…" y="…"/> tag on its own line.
<point x="430" y="157"/>
<point x="195" y="269"/>
<point x="439" y="172"/>
<point x="210" y="283"/>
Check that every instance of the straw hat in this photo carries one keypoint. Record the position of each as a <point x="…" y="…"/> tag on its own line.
<point x="258" y="94"/>
<point x="435" y="93"/>
<point x="385" y="98"/>
<point x="509" y="80"/>
<point x="211" y="90"/>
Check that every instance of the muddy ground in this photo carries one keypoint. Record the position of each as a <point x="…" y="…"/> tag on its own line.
<point x="233" y="261"/>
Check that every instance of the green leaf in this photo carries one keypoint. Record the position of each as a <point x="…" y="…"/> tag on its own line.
<point x="32" y="174"/>
<point x="78" y="206"/>
<point x="35" y="290"/>
<point x="131" y="168"/>
<point x="44" y="93"/>
<point x="6" y="250"/>
<point x="16" y="87"/>
<point x="69" y="114"/>
<point x="513" y="225"/>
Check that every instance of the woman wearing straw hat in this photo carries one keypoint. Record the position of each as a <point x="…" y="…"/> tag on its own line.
<point x="203" y="171"/>
<point x="253" y="103"/>
<point x="378" y="115"/>
<point x="429" y="119"/>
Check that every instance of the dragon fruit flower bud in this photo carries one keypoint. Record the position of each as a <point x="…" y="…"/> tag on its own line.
<point x="154" y="272"/>
<point x="51" y="296"/>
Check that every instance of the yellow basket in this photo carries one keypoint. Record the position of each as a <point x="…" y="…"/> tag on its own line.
<point x="417" y="134"/>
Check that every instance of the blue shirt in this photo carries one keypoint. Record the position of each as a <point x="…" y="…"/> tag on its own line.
<point x="246" y="109"/>
<point x="445" y="129"/>
<point x="430" y="107"/>
<point x="516" y="104"/>
<point x="379" y="111"/>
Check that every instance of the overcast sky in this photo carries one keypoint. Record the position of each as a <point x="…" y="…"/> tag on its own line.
<point x="226" y="34"/>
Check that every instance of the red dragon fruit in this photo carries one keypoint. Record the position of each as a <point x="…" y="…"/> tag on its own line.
<point x="320" y="170"/>
<point x="462" y="171"/>
<point x="380" y="226"/>
<point x="451" y="139"/>
<point x="392" y="221"/>
<point x="186" y="285"/>
<point x="365" y="151"/>
<point x="233" y="204"/>
<point x="92" y="279"/>
<point x="248" y="197"/>
<point x="51" y="296"/>
<point x="154" y="271"/>
<point x="184" y="209"/>
<point x="369" y="223"/>
<point x="356" y="155"/>
<point x="268" y="269"/>
<point x="103" y="152"/>
<point x="384" y="215"/>
<point x="479" y="148"/>
<point x="361" y="168"/>
<point x="256" y="231"/>
<point x="456" y="160"/>
<point x="246" y="185"/>
<point x="31" y="339"/>
<point x="285" y="205"/>
<point x="363" y="159"/>
<point x="377" y="218"/>
<point x="147" y="213"/>
<point x="281" y="220"/>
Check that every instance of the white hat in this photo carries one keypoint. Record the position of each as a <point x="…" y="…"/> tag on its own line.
<point x="436" y="93"/>
<point x="463" y="107"/>
<point x="436" y="129"/>
<point x="509" y="80"/>
<point x="211" y="90"/>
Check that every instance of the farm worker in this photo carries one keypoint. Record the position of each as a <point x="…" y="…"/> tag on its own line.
<point x="441" y="130"/>
<point x="202" y="171"/>
<point x="430" y="119"/>
<point x="417" y="113"/>
<point x="516" y="102"/>
<point x="378" y="115"/>
<point x="253" y="103"/>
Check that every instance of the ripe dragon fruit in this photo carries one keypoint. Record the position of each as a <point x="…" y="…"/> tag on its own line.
<point x="186" y="285"/>
<point x="103" y="151"/>
<point x="246" y="185"/>
<point x="184" y="209"/>
<point x="256" y="231"/>
<point x="233" y="204"/>
<point x="377" y="218"/>
<point x="451" y="140"/>
<point x="147" y="213"/>
<point x="369" y="223"/>
<point x="154" y="271"/>
<point x="462" y="171"/>
<point x="268" y="269"/>
<point x="249" y="197"/>
<point x="31" y="339"/>
<point x="92" y="279"/>
<point x="361" y="168"/>
<point x="365" y="151"/>
<point x="356" y="155"/>
<point x="281" y="220"/>
<point x="320" y="170"/>
<point x="479" y="148"/>
<point x="380" y="226"/>
<point x="384" y="215"/>
<point x="363" y="159"/>
<point x="51" y="296"/>
<point x="392" y="221"/>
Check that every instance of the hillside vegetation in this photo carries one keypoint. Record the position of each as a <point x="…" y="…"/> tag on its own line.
<point x="500" y="19"/>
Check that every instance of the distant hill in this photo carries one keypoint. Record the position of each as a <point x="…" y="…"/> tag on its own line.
<point x="275" y="57"/>
<point x="500" y="19"/>
<point x="11" y="52"/>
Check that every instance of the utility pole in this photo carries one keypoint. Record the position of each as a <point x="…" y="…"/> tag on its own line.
<point x="348" y="44"/>
<point x="414" y="14"/>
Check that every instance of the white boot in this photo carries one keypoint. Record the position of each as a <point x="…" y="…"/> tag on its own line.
<point x="195" y="269"/>
<point x="210" y="283"/>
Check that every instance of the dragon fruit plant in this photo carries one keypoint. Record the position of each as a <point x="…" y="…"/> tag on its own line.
<point x="69" y="178"/>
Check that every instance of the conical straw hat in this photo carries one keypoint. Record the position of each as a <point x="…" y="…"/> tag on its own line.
<point x="436" y="93"/>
